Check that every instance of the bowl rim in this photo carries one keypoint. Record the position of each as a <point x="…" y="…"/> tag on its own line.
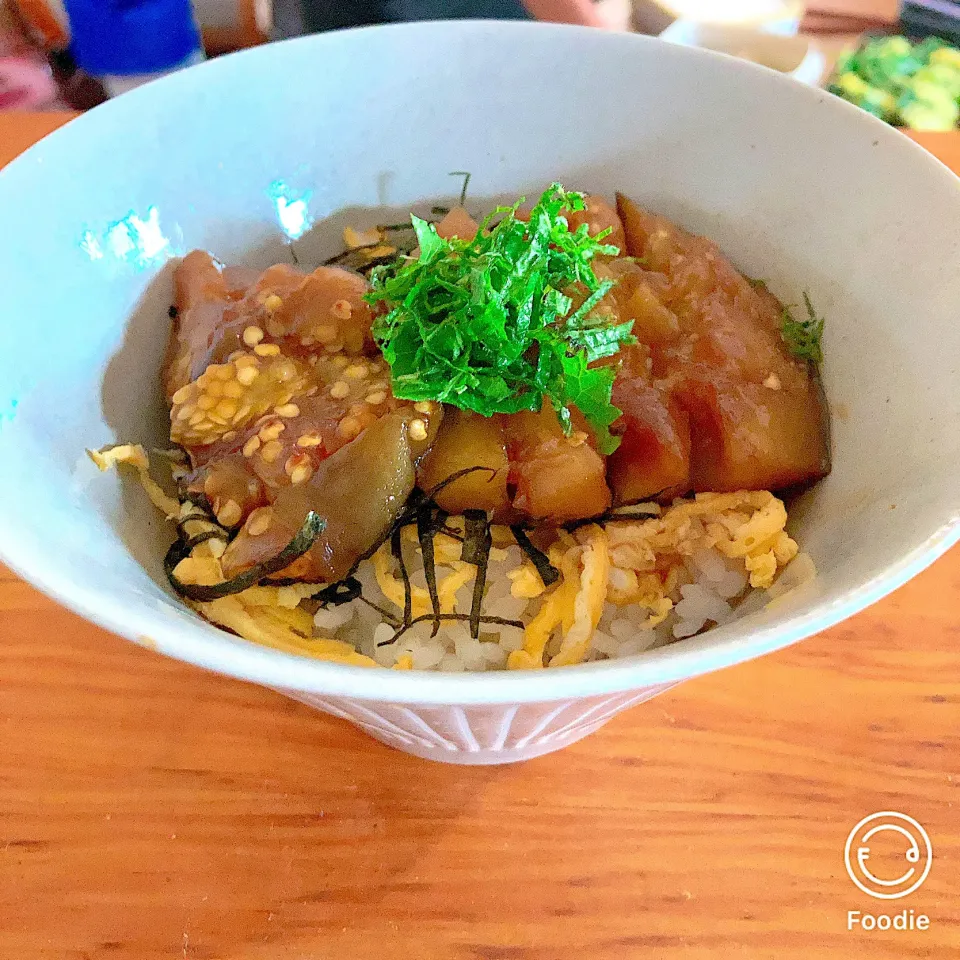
<point x="192" y="640"/>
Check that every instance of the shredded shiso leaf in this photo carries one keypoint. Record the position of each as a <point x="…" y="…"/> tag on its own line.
<point x="488" y="323"/>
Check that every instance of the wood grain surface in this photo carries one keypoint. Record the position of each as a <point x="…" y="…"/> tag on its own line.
<point x="150" y="810"/>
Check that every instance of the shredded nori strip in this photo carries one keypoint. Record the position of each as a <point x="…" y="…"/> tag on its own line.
<point x="342" y="255"/>
<point x="355" y="260"/>
<point x="607" y="518"/>
<point x="481" y="552"/>
<point x="549" y="574"/>
<point x="396" y="548"/>
<point x="443" y="484"/>
<point x="466" y="183"/>
<point x="220" y="530"/>
<point x="344" y="591"/>
<point x="198" y="500"/>
<point x="199" y="538"/>
<point x="617" y="517"/>
<point x="476" y="528"/>
<point x="386" y="614"/>
<point x="428" y="524"/>
<point x="451" y="533"/>
<point x="404" y="627"/>
<point x="302" y="541"/>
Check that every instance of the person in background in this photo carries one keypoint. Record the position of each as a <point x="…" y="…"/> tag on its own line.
<point x="607" y="14"/>
<point x="294" y="17"/>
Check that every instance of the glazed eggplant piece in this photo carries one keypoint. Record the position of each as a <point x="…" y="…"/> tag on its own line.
<point x="556" y="477"/>
<point x="653" y="459"/>
<point x="757" y="416"/>
<point x="467" y="440"/>
<point x="359" y="491"/>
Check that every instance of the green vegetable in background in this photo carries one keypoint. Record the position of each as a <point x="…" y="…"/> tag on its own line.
<point x="488" y="324"/>
<point x="914" y="85"/>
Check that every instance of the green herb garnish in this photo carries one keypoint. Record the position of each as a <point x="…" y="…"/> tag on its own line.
<point x="803" y="337"/>
<point x="487" y="323"/>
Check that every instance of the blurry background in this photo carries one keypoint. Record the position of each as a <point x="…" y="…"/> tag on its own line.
<point x="56" y="54"/>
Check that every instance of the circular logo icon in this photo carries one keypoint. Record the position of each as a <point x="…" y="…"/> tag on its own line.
<point x="888" y="855"/>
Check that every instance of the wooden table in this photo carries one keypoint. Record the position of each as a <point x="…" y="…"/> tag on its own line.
<point x="150" y="810"/>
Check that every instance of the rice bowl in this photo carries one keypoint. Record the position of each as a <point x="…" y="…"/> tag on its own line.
<point x="753" y="183"/>
<point x="472" y="444"/>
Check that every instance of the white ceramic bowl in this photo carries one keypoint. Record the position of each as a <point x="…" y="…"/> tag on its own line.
<point x="798" y="187"/>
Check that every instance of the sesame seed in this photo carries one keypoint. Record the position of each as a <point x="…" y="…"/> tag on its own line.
<point x="221" y="371"/>
<point x="252" y="335"/>
<point x="341" y="309"/>
<point x="287" y="410"/>
<point x="242" y="413"/>
<point x="272" y="303"/>
<point x="349" y="427"/>
<point x="213" y="387"/>
<point x="236" y="355"/>
<point x="182" y="395"/>
<point x="251" y="446"/>
<point x="356" y="371"/>
<point x="334" y="347"/>
<point x="246" y="375"/>
<point x="266" y="350"/>
<point x="418" y="430"/>
<point x="226" y="408"/>
<point x="772" y="382"/>
<point x="230" y="435"/>
<point x="310" y="440"/>
<point x="375" y="399"/>
<point x="184" y="412"/>
<point x="285" y="372"/>
<point x="423" y="406"/>
<point x="340" y="362"/>
<point x="211" y="485"/>
<point x="307" y="341"/>
<point x="247" y="360"/>
<point x="577" y="439"/>
<point x="229" y="514"/>
<point x="271" y="430"/>
<point x="339" y="390"/>
<point x="233" y="389"/>
<point x="259" y="521"/>
<point x="271" y="451"/>
<point x="376" y="366"/>
<point x="325" y="332"/>
<point x="273" y="327"/>
<point x="206" y="402"/>
<point x="293" y="461"/>
<point x="357" y="408"/>
<point x="196" y="418"/>
<point x="301" y="474"/>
